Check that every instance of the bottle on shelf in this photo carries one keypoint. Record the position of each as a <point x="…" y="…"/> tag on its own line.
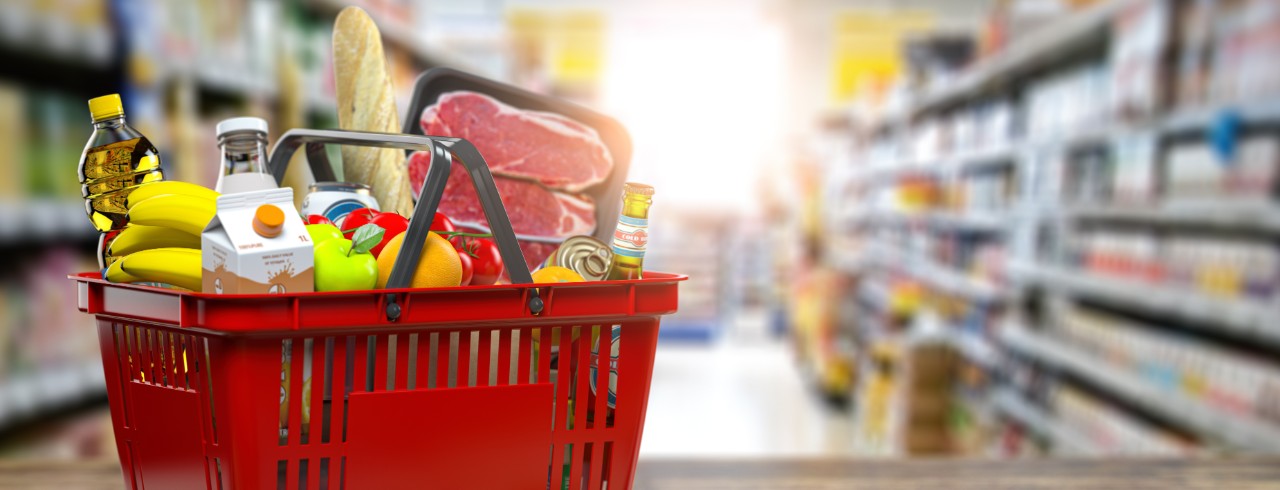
<point x="243" y="144"/>
<point x="116" y="160"/>
<point x="632" y="234"/>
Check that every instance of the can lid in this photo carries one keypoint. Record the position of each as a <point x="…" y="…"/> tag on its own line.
<point x="597" y="264"/>
<point x="635" y="188"/>
<point x="106" y="107"/>
<point x="236" y="124"/>
<point x="268" y="221"/>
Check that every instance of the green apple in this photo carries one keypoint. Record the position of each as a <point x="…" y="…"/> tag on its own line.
<point x="322" y="232"/>
<point x="338" y="269"/>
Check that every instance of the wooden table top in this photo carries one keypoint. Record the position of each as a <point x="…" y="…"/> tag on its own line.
<point x="822" y="474"/>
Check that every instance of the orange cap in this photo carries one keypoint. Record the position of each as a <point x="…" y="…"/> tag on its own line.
<point x="268" y="221"/>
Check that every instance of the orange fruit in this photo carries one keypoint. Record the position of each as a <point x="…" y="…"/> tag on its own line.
<point x="438" y="265"/>
<point x="556" y="273"/>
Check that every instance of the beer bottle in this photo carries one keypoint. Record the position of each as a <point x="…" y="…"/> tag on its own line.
<point x="632" y="234"/>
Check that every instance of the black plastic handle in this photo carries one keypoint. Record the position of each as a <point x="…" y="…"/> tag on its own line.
<point x="442" y="150"/>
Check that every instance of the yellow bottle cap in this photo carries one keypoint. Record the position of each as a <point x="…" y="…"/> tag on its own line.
<point x="106" y="107"/>
<point x="268" y="221"/>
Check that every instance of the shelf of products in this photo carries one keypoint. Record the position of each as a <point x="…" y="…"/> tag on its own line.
<point x="936" y="275"/>
<point x="394" y="21"/>
<point x="1126" y="155"/>
<point x="1237" y="430"/>
<point x="1034" y="52"/>
<point x="1239" y="319"/>
<point x="973" y="347"/>
<point x="1257" y="217"/>
<point x="48" y="390"/>
<point x="1007" y="401"/>
<point x="44" y="221"/>
<point x="988" y="222"/>
<point x="78" y="32"/>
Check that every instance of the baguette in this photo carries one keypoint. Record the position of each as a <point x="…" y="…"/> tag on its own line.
<point x="366" y="102"/>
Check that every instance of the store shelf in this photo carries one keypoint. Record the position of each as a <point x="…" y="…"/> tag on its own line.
<point x="935" y="275"/>
<point x="1239" y="319"/>
<point x="1025" y="56"/>
<point x="994" y="157"/>
<point x="240" y="84"/>
<point x="1197" y="119"/>
<point x="55" y="38"/>
<point x="975" y="221"/>
<point x="1240" y="431"/>
<point x="399" y="33"/>
<point x="1219" y="215"/>
<point x="973" y="347"/>
<point x="44" y="221"/>
<point x="1065" y="441"/>
<point x="951" y="281"/>
<point x="29" y="395"/>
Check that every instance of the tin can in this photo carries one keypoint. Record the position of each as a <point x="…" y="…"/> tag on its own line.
<point x="335" y="200"/>
<point x="587" y="256"/>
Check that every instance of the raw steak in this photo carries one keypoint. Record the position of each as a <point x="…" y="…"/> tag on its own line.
<point x="549" y="148"/>
<point x="534" y="210"/>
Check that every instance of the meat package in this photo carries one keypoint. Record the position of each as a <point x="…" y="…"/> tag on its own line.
<point x="541" y="164"/>
<point x="549" y="148"/>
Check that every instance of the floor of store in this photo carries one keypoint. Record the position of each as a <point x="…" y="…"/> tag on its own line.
<point x="740" y="396"/>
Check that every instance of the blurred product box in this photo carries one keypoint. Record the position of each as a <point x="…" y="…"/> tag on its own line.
<point x="1195" y="172"/>
<point x="14" y="139"/>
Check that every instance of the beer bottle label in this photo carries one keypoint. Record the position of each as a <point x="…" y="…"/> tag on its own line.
<point x="631" y="236"/>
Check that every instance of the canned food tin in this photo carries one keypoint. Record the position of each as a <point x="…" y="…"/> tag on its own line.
<point x="587" y="256"/>
<point x="335" y="200"/>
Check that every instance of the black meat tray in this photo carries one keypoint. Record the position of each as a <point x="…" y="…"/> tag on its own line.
<point x="607" y="194"/>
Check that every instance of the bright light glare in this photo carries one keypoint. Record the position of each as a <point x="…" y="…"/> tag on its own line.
<point x="702" y="101"/>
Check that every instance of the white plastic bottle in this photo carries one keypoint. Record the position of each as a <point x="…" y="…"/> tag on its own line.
<point x="243" y="143"/>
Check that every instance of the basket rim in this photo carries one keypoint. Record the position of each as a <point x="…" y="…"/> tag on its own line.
<point x="652" y="277"/>
<point x="368" y="310"/>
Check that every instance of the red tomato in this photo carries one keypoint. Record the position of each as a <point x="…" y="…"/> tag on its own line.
<point x="315" y="219"/>
<point x="487" y="262"/>
<point x="392" y="224"/>
<point x="356" y="219"/>
<point x="442" y="223"/>
<point x="467" y="269"/>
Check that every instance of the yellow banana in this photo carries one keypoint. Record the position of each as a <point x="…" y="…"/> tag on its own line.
<point x="117" y="274"/>
<point x="184" y="213"/>
<point x="136" y="238"/>
<point x="153" y="189"/>
<point x="177" y="266"/>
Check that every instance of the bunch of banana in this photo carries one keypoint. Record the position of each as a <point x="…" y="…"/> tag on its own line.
<point x="162" y="241"/>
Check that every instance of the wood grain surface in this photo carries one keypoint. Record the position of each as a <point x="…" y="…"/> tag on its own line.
<point x="823" y="474"/>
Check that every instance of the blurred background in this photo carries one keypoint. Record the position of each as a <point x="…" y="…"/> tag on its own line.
<point x="991" y="228"/>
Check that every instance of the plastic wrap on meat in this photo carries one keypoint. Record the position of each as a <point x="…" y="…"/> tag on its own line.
<point x="534" y="210"/>
<point x="559" y="152"/>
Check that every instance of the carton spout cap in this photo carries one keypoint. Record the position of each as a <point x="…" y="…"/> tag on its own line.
<point x="268" y="220"/>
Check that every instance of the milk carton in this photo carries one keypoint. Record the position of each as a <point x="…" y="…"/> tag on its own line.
<point x="257" y="243"/>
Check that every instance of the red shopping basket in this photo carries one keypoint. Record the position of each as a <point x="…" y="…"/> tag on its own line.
<point x="486" y="387"/>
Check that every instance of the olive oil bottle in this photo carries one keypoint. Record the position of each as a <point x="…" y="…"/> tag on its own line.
<point x="632" y="234"/>
<point x="116" y="160"/>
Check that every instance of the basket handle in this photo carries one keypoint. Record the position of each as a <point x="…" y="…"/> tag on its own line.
<point x="442" y="151"/>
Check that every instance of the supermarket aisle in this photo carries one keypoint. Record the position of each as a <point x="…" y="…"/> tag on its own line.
<point x="738" y="398"/>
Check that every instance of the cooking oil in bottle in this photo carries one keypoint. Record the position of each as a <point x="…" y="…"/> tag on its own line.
<point x="116" y="160"/>
<point x="631" y="236"/>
